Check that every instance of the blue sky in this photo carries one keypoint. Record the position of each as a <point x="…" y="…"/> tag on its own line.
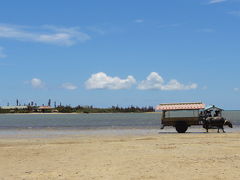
<point x="106" y="52"/>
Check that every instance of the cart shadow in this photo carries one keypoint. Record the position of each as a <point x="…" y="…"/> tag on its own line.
<point x="189" y="133"/>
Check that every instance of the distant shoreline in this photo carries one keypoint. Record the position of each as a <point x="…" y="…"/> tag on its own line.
<point x="79" y="113"/>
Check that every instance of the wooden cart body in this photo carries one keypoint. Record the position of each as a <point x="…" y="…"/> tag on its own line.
<point x="181" y="115"/>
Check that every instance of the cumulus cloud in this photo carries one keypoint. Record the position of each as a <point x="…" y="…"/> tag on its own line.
<point x="236" y="89"/>
<point x="155" y="81"/>
<point x="69" y="86"/>
<point x="235" y="13"/>
<point x="206" y="30"/>
<point x="216" y="1"/>
<point x="204" y="88"/>
<point x="96" y="29"/>
<point x="102" y="81"/>
<point x="45" y="34"/>
<point x="139" y="21"/>
<point x="173" y="25"/>
<point x="37" y="83"/>
<point x="2" y="54"/>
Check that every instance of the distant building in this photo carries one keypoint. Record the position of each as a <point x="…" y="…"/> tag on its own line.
<point x="14" y="107"/>
<point x="44" y="109"/>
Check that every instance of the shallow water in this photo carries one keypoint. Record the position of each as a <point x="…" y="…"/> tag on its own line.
<point x="79" y="121"/>
<point x="91" y="121"/>
<point x="55" y="125"/>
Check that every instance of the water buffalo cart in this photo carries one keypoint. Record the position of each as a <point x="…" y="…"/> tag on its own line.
<point x="183" y="115"/>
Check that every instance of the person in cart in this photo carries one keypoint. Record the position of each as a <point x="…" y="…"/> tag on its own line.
<point x="217" y="113"/>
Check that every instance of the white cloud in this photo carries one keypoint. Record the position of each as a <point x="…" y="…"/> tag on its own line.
<point x="161" y="26"/>
<point x="102" y="81"/>
<point x="204" y="88"/>
<point x="235" y="13"/>
<point x="96" y="30"/>
<point x="45" y="34"/>
<point x="236" y="89"/>
<point x="216" y="1"/>
<point x="37" y="83"/>
<point x="139" y="21"/>
<point x="2" y="54"/>
<point x="69" y="86"/>
<point x="206" y="30"/>
<point x="155" y="81"/>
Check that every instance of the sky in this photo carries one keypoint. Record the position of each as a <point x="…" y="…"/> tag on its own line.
<point x="105" y="53"/>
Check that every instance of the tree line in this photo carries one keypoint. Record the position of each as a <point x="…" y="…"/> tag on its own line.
<point x="33" y="107"/>
<point x="113" y="109"/>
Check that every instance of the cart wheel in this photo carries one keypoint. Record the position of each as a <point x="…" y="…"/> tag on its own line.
<point x="181" y="127"/>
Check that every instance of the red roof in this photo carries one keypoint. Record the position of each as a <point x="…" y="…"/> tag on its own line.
<point x="181" y="106"/>
<point x="45" y="107"/>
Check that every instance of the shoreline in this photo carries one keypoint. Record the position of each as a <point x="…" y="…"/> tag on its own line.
<point x="51" y="132"/>
<point x="80" y="113"/>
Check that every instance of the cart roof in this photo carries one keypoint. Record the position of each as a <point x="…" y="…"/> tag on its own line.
<point x="180" y="106"/>
<point x="213" y="107"/>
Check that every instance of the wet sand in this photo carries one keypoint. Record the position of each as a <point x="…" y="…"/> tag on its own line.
<point x="126" y="157"/>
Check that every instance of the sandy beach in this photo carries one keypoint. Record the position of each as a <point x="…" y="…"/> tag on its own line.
<point x="126" y="157"/>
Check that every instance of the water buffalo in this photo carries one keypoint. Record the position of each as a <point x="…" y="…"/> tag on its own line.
<point x="216" y="123"/>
